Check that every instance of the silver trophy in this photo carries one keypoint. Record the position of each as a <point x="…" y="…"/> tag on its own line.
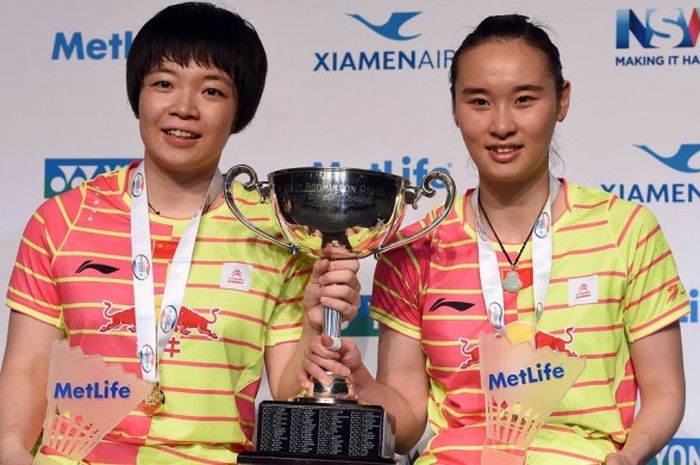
<point x="333" y="213"/>
<point x="337" y="213"/>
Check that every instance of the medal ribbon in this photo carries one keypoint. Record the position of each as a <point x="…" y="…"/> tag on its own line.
<point x="151" y="339"/>
<point x="489" y="271"/>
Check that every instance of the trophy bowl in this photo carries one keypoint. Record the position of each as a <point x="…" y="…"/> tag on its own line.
<point x="337" y="213"/>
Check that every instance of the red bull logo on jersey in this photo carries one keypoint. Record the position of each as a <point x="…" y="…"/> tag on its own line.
<point x="470" y="352"/>
<point x="556" y="343"/>
<point x="472" y="357"/>
<point x="188" y="320"/>
<point x="118" y="320"/>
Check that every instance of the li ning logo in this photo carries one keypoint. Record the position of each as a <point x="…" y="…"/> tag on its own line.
<point x="530" y="375"/>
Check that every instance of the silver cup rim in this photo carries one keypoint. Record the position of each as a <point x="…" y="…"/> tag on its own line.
<point x="327" y="169"/>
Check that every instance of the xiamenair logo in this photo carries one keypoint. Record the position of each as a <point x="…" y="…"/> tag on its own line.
<point x="63" y="174"/>
<point x="679" y="451"/>
<point x="679" y="161"/>
<point x="657" y="37"/>
<point x="391" y="28"/>
<point x="685" y="159"/>
<point x="413" y="169"/>
<point x="399" y="27"/>
<point x="76" y="46"/>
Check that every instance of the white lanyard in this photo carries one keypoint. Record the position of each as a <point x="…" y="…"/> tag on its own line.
<point x="489" y="271"/>
<point x="151" y="340"/>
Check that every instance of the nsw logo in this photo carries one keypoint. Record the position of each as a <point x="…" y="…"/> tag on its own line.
<point x="63" y="174"/>
<point x="657" y="37"/>
<point x="658" y="28"/>
<point x="391" y="28"/>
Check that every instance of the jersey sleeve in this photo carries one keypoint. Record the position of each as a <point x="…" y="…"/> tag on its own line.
<point x="654" y="296"/>
<point x="33" y="289"/>
<point x="398" y="285"/>
<point x="287" y="318"/>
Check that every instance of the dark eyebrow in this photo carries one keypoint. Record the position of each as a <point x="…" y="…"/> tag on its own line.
<point x="473" y="90"/>
<point x="521" y="88"/>
<point x="208" y="77"/>
<point x="161" y="69"/>
<point x="529" y="87"/>
<point x="217" y="77"/>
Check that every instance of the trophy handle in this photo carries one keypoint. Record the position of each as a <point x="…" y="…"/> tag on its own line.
<point x="263" y="189"/>
<point x="412" y="195"/>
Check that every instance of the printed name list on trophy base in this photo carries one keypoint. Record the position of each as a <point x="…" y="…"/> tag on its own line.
<point x="333" y="213"/>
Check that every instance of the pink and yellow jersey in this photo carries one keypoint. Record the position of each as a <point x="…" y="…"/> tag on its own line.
<point x="613" y="281"/>
<point x="73" y="271"/>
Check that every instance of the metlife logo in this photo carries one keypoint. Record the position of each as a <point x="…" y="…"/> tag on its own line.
<point x="657" y="37"/>
<point x="400" y="27"/>
<point x="692" y="317"/>
<point x="76" y="46"/>
<point x="63" y="174"/>
<point x="413" y="169"/>
<point x="685" y="160"/>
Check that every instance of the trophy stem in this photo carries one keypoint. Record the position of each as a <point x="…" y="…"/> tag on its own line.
<point x="339" y="389"/>
<point x="331" y="326"/>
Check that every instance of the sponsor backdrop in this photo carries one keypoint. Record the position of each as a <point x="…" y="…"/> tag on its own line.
<point x="365" y="84"/>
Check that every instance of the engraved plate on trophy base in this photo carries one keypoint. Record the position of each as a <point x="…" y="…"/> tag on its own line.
<point x="306" y="431"/>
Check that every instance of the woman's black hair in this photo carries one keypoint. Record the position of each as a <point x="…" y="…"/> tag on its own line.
<point x="208" y="36"/>
<point x="510" y="27"/>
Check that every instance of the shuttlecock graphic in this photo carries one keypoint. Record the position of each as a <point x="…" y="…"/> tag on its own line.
<point x="86" y="399"/>
<point x="522" y="386"/>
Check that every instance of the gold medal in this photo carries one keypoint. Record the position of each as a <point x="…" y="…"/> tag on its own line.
<point x="153" y="402"/>
<point x="520" y="331"/>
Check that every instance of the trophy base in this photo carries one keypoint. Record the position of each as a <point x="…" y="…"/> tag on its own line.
<point x="311" y="430"/>
<point x="260" y="458"/>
